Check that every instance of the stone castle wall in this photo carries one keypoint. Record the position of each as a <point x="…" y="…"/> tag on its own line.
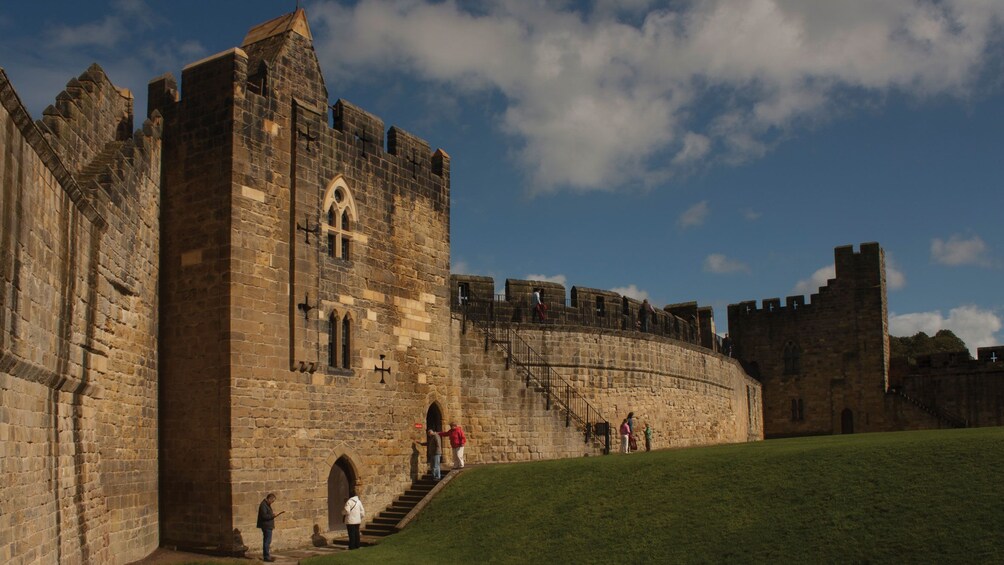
<point x="689" y="395"/>
<point x="79" y="205"/>
<point x="263" y="305"/>
<point x="968" y="389"/>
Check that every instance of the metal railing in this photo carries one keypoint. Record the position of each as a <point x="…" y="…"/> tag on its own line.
<point x="953" y="420"/>
<point x="534" y="369"/>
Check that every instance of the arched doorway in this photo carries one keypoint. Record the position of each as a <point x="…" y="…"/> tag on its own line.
<point x="341" y="479"/>
<point x="434" y="418"/>
<point x="847" y="421"/>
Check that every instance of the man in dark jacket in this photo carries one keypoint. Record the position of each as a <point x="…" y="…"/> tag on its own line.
<point x="266" y="521"/>
<point x="434" y="453"/>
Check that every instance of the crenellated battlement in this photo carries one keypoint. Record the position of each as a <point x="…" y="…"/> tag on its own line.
<point x="89" y="113"/>
<point x="366" y="132"/>
<point x="861" y="269"/>
<point x="365" y="128"/>
<point x="587" y="307"/>
<point x="773" y="306"/>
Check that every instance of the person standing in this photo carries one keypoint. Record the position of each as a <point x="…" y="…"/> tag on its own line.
<point x="539" y="308"/>
<point x="457" y="441"/>
<point x="434" y="453"/>
<point x="625" y="436"/>
<point x="648" y="437"/>
<point x="354" y="513"/>
<point x="645" y="313"/>
<point x="266" y="522"/>
<point x="727" y="345"/>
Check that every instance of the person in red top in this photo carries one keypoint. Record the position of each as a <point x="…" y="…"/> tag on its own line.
<point x="457" y="441"/>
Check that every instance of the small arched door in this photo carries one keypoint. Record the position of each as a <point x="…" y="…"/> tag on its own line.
<point x="341" y="479"/>
<point x="847" y="421"/>
<point x="434" y="418"/>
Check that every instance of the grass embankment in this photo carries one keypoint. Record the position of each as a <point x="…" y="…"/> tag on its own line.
<point x="911" y="497"/>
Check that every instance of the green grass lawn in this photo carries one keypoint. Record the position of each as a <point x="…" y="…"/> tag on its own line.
<point x="909" y="497"/>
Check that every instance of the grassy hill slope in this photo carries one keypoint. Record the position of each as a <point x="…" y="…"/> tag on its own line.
<point x="911" y="497"/>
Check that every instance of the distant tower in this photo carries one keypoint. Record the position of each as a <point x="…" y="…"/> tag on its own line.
<point x="824" y="365"/>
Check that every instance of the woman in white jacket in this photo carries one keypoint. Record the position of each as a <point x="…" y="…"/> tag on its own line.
<point x="354" y="514"/>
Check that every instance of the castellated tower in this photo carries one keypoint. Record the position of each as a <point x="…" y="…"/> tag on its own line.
<point x="824" y="366"/>
<point x="300" y="254"/>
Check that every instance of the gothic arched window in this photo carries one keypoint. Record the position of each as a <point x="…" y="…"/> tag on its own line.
<point x="342" y="218"/>
<point x="346" y="341"/>
<point x="792" y="358"/>
<point x="333" y="340"/>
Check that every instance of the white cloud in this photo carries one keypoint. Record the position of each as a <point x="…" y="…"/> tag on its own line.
<point x="751" y="215"/>
<point x="631" y="291"/>
<point x="818" y="279"/>
<point x="720" y="264"/>
<point x="694" y="216"/>
<point x="695" y="147"/>
<point x="560" y="279"/>
<point x="975" y="326"/>
<point x="957" y="251"/>
<point x="894" y="277"/>
<point x="104" y="33"/>
<point x="603" y="97"/>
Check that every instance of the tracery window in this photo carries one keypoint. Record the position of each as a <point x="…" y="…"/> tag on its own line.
<point x="341" y="215"/>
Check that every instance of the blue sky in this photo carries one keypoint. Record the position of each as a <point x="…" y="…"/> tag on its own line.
<point x="714" y="151"/>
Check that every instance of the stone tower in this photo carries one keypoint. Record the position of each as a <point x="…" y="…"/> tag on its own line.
<point x="824" y="365"/>
<point x="300" y="253"/>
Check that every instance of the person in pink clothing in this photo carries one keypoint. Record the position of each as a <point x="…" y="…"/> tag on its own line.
<point x="457" y="441"/>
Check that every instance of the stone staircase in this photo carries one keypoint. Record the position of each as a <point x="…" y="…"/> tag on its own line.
<point x="393" y="518"/>
<point x="535" y="371"/>
<point x="943" y="416"/>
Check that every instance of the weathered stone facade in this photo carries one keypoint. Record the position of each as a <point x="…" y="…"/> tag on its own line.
<point x="953" y="387"/>
<point x="824" y="365"/>
<point x="251" y="295"/>
<point x="79" y="207"/>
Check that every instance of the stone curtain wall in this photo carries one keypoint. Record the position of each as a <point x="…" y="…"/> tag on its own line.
<point x="78" y="358"/>
<point x="504" y="420"/>
<point x="689" y="395"/>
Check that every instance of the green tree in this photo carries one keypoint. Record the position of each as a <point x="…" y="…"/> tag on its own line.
<point x="922" y="344"/>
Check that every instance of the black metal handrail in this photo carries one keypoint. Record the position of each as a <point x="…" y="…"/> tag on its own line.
<point x="940" y="413"/>
<point x="535" y="370"/>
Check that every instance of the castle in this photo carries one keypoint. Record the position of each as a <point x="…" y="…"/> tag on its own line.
<point x="251" y="293"/>
<point x="825" y="365"/>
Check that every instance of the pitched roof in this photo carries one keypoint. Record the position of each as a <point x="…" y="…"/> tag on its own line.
<point x="295" y="22"/>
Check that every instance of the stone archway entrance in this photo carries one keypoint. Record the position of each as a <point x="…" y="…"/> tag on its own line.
<point x="341" y="479"/>
<point x="847" y="421"/>
<point x="434" y="418"/>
